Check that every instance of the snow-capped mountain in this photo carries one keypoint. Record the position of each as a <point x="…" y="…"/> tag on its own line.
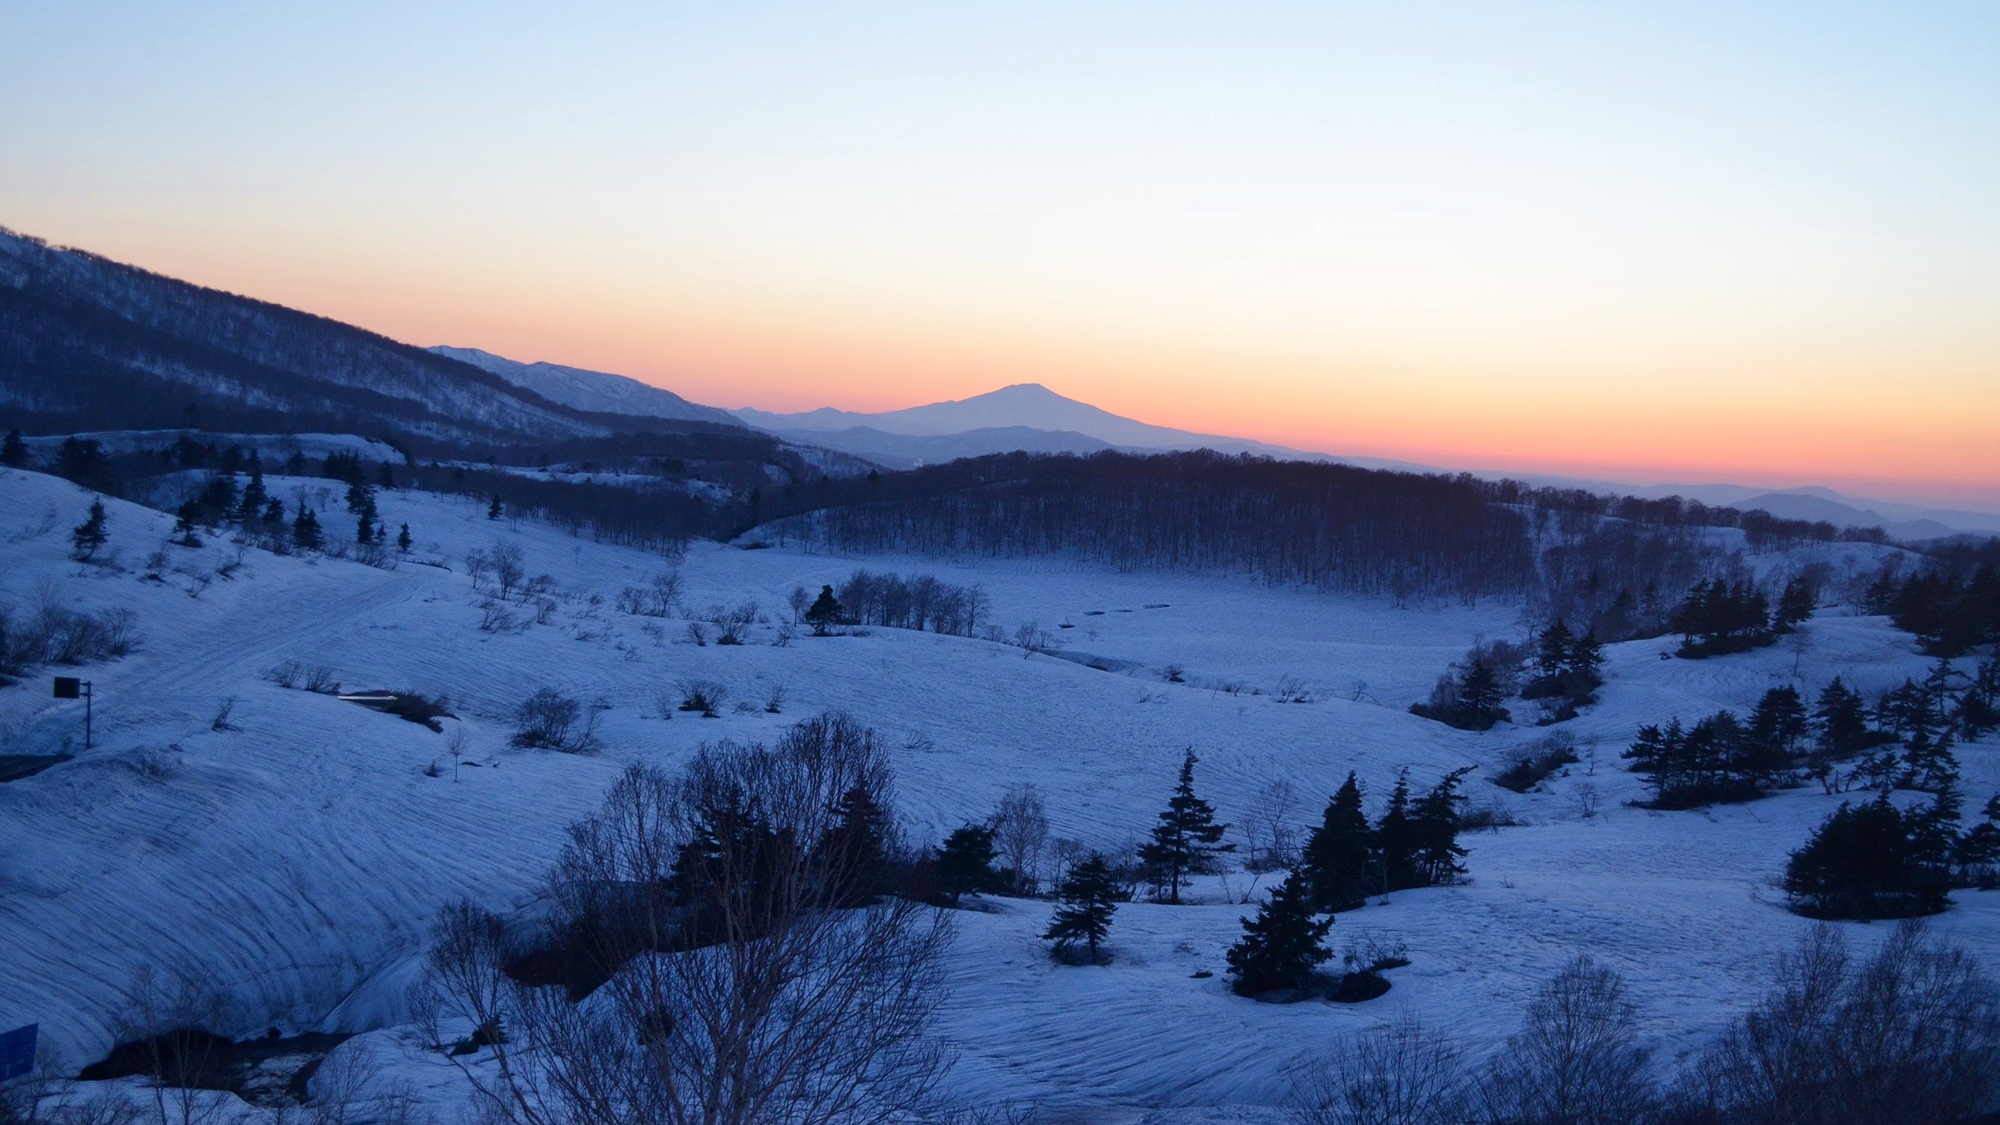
<point x="1023" y="412"/>
<point x="583" y="389"/>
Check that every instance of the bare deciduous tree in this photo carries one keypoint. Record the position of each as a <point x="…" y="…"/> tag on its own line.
<point x="508" y="569"/>
<point x="1403" y="1074"/>
<point x="1269" y="826"/>
<point x="1577" y="1058"/>
<point x="1020" y="830"/>
<point x="738" y="986"/>
<point x="1912" y="1036"/>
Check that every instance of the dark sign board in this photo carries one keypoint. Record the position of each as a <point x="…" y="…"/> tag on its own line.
<point x="69" y="687"/>
<point x="17" y="1049"/>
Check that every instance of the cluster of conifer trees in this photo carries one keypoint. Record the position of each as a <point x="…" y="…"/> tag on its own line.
<point x="1950" y="610"/>
<point x="1719" y="616"/>
<point x="1880" y="859"/>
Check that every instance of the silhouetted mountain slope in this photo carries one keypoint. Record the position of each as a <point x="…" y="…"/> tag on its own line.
<point x="88" y="344"/>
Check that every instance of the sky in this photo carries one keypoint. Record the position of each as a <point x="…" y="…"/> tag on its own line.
<point x="1674" y="242"/>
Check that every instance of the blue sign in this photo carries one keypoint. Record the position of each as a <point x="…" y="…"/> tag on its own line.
<point x="17" y="1052"/>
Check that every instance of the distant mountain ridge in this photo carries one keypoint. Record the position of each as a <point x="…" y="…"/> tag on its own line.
<point x="584" y="389"/>
<point x="1017" y="408"/>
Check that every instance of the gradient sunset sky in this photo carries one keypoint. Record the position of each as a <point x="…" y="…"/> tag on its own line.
<point x="1741" y="241"/>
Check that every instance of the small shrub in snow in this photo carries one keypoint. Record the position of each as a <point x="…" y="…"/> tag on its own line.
<point x="223" y="710"/>
<point x="1533" y="765"/>
<point x="285" y="675"/>
<point x="774" y="699"/>
<point x="550" y="720"/>
<point x="319" y="678"/>
<point x="697" y="635"/>
<point x="703" y="696"/>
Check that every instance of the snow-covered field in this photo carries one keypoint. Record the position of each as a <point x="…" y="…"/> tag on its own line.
<point x="299" y="857"/>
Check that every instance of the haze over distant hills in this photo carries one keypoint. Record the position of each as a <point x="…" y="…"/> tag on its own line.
<point x="1032" y="418"/>
<point x="988" y="423"/>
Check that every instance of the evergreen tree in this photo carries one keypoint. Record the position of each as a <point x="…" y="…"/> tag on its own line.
<point x="403" y="539"/>
<point x="1283" y="945"/>
<point x="186" y="517"/>
<point x="1795" y="605"/>
<point x="306" y="533"/>
<point x="14" y="451"/>
<point x="493" y="509"/>
<point x="1434" y="831"/>
<point x="1929" y="764"/>
<point x="1335" y="860"/>
<point x="83" y="460"/>
<point x="1395" y="840"/>
<point x="88" y="537"/>
<point x="1586" y="657"/>
<point x="824" y="612"/>
<point x="856" y="848"/>
<point x="1978" y="850"/>
<point x="1552" y="654"/>
<point x="1865" y="861"/>
<point x="1840" y="722"/>
<point x="274" y="513"/>
<point x="1777" y="728"/>
<point x="965" y="862"/>
<point x="1187" y="839"/>
<point x="1087" y="899"/>
<point x="251" y="506"/>
<point x="387" y="477"/>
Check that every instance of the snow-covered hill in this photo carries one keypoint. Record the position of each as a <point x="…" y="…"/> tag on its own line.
<point x="297" y="854"/>
<point x="590" y="390"/>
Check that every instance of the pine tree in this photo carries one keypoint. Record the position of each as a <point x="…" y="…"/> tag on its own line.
<point x="1777" y="727"/>
<point x="1863" y="862"/>
<point x="824" y="612"/>
<point x="1795" y="605"/>
<point x="1335" y="860"/>
<point x="306" y="533"/>
<point x="1395" y="840"/>
<point x="1586" y="657"/>
<point x="1282" y="946"/>
<point x="88" y="537"/>
<point x="1553" y="654"/>
<point x="403" y="539"/>
<point x="965" y="862"/>
<point x="14" y="451"/>
<point x="251" y="506"/>
<point x="274" y="513"/>
<point x="1187" y="839"/>
<point x="1434" y="831"/>
<point x="493" y="509"/>
<point x="185" y="519"/>
<point x="855" y="850"/>
<point x="1840" y="721"/>
<point x="1088" y="898"/>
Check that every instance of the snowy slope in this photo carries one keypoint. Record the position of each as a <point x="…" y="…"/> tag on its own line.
<point x="589" y="390"/>
<point x="299" y="857"/>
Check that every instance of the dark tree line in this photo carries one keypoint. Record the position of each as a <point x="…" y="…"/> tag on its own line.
<point x="921" y="602"/>
<point x="1330" y="526"/>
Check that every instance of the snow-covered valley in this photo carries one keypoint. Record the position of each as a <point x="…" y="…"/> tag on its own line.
<point x="296" y="851"/>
